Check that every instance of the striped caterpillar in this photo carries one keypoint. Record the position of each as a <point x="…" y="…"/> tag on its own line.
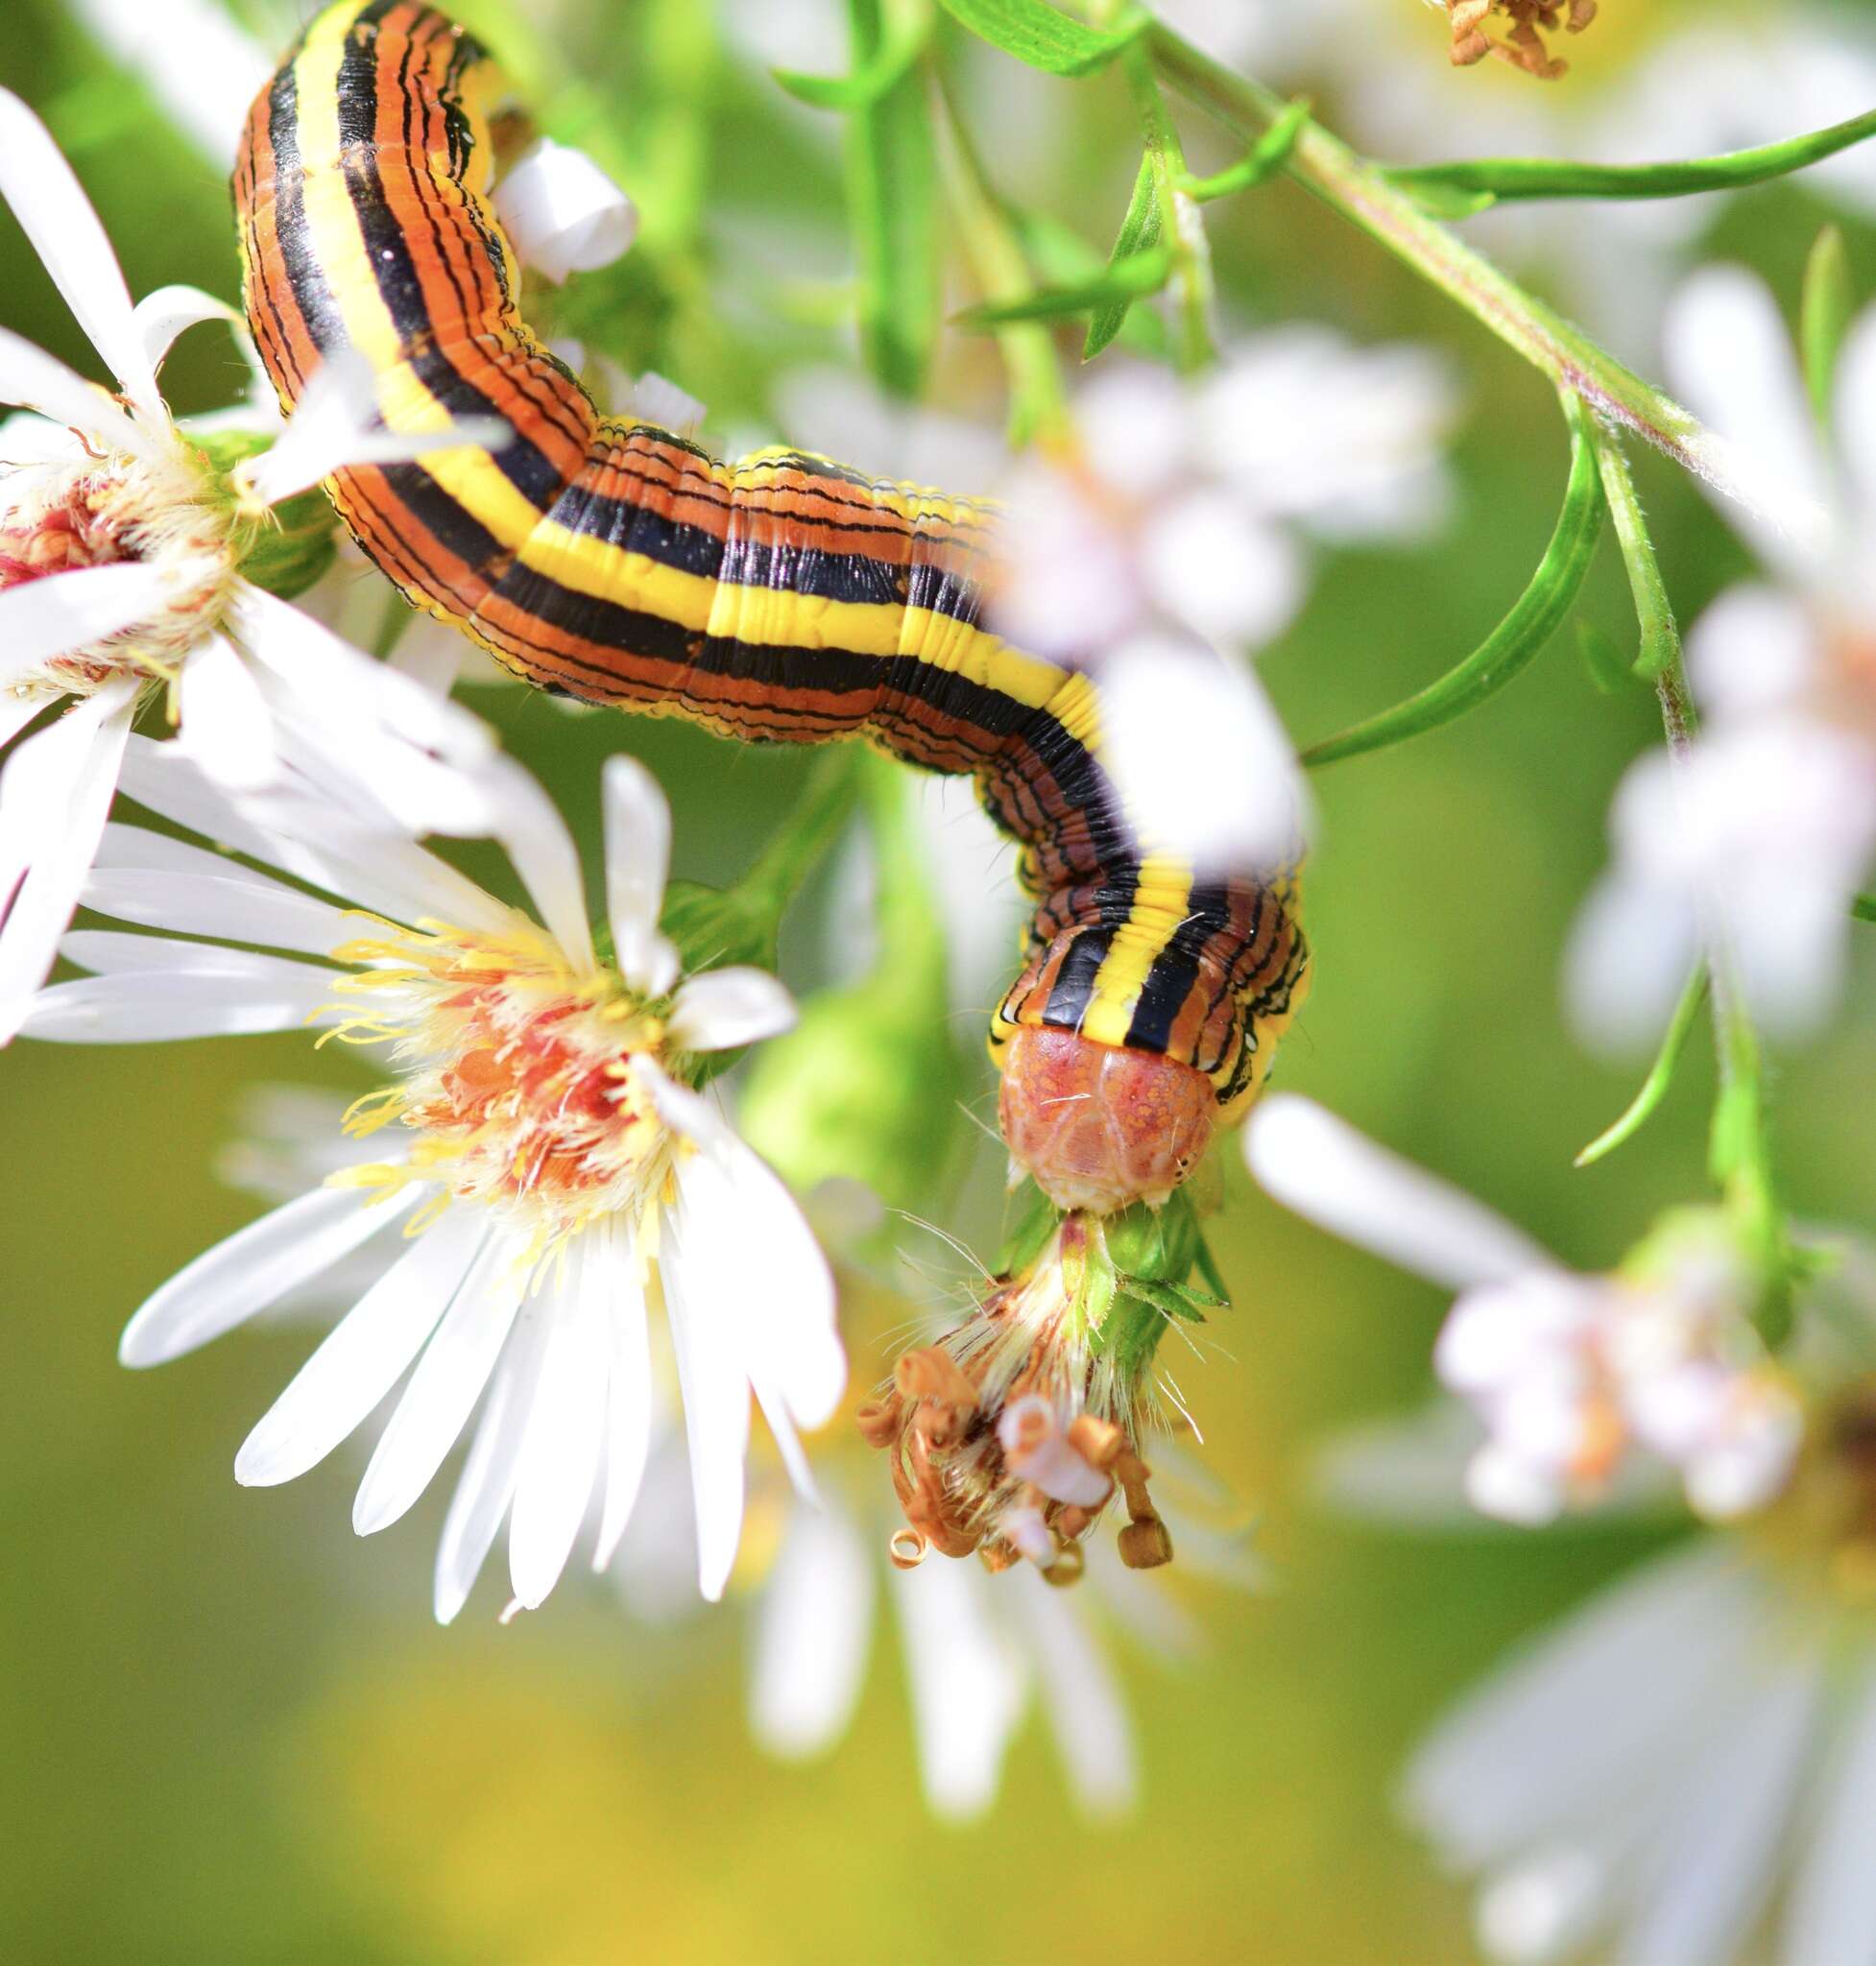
<point x="780" y="599"/>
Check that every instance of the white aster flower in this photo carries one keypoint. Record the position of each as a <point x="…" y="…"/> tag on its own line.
<point x="1766" y="832"/>
<point x="1568" y="1373"/>
<point x="201" y="67"/>
<point x="536" y="1145"/>
<point x="120" y="578"/>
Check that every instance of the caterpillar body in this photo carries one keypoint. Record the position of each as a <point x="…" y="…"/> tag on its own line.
<point x="779" y="599"/>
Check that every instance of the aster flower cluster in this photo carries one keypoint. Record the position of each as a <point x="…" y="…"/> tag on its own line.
<point x="549" y="1232"/>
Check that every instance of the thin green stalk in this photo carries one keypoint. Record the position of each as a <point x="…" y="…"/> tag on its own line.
<point x="1182" y="225"/>
<point x="1363" y="195"/>
<point x="817" y="822"/>
<point x="1037" y="410"/>
<point x="1661" y="1074"/>
<point x="1741" y="1143"/>
<point x="1654" y="613"/>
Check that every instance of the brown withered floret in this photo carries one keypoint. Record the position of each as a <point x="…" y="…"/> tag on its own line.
<point x="1514" y="30"/>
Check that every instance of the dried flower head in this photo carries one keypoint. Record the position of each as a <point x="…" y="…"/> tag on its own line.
<point x="1514" y="31"/>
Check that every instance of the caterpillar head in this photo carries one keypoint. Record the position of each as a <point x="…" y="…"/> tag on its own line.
<point x="1100" y="1127"/>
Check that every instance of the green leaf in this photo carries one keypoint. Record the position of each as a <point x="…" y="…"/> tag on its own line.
<point x="1864" y="907"/>
<point x="1823" y="317"/>
<point x="1264" y="160"/>
<point x="1503" y="652"/>
<point x="1608" y="668"/>
<point x="1509" y="178"/>
<point x="891" y="192"/>
<point x="1043" y="38"/>
<point x="1661" y="1074"/>
<point x="1063" y="257"/>
<point x="1447" y="201"/>
<point x="902" y="44"/>
<point x="1140" y="230"/>
<point x="1143" y="273"/>
<point x="1654" y="612"/>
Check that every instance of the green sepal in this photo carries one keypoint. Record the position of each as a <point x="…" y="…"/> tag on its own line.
<point x="1030" y="1219"/>
<point x="287" y="548"/>
<point x="1043" y="38"/>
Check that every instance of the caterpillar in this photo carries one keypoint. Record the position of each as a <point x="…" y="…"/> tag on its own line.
<point x="784" y="598"/>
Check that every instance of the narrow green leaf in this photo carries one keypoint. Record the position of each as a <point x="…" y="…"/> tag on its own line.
<point x="1654" y="612"/>
<point x="1144" y="273"/>
<point x="1864" y="907"/>
<point x="1824" y="317"/>
<point x="902" y="44"/>
<point x="1265" y="159"/>
<point x="892" y="191"/>
<point x="1043" y="38"/>
<point x="1503" y="652"/>
<point x="1140" y="230"/>
<point x="1064" y="258"/>
<point x="1509" y="178"/>
<point x="1661" y="1074"/>
<point x="1608" y="668"/>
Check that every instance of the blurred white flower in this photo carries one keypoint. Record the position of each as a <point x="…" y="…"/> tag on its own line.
<point x="1767" y="830"/>
<point x="561" y="212"/>
<point x="1569" y="1374"/>
<point x="1180" y="525"/>
<point x="120" y="582"/>
<point x="201" y="67"/>
<point x="544" y="1158"/>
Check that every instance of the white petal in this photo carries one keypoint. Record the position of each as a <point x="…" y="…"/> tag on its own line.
<point x="812" y="1633"/>
<point x="201" y="68"/>
<point x="444" y="1389"/>
<point x="1832" y="1910"/>
<point x="1078" y="1689"/>
<point x="629" y="1398"/>
<point x="172" y="311"/>
<point x="362" y="1358"/>
<point x="1856" y="410"/>
<point x="1410" y="1472"/>
<point x="652" y="399"/>
<point x="58" y="787"/>
<point x="65" y="612"/>
<point x="336" y="422"/>
<point x="226" y="725"/>
<point x="57" y="217"/>
<point x="1204" y="768"/>
<point x="253" y="1267"/>
<point x="488" y="1481"/>
<point x="1336" y="1178"/>
<point x="562" y="211"/>
<point x="35" y="380"/>
<point x="147" y="1007"/>
<point x="966" y="1679"/>
<point x="723" y="1008"/>
<point x="638" y="861"/>
<point x="715" y="1392"/>
<point x="1592" y="1708"/>
<point x="223" y="899"/>
<point x="1631" y="948"/>
<point x="1718" y="1868"/>
<point x="535" y="838"/>
<point x="1232" y="578"/>
<point x="112" y="952"/>
<point x="560" y="1458"/>
<point x="1730" y="356"/>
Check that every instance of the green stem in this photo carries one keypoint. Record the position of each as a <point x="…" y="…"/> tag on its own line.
<point x="1180" y="224"/>
<point x="1654" y="1088"/>
<point x="1363" y="195"/>
<point x="1741" y="1144"/>
<point x="1654" y="613"/>
<point x="1037" y="410"/>
<point x="813" y="828"/>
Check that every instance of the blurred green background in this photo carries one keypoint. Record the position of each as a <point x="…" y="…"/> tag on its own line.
<point x="234" y="1732"/>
